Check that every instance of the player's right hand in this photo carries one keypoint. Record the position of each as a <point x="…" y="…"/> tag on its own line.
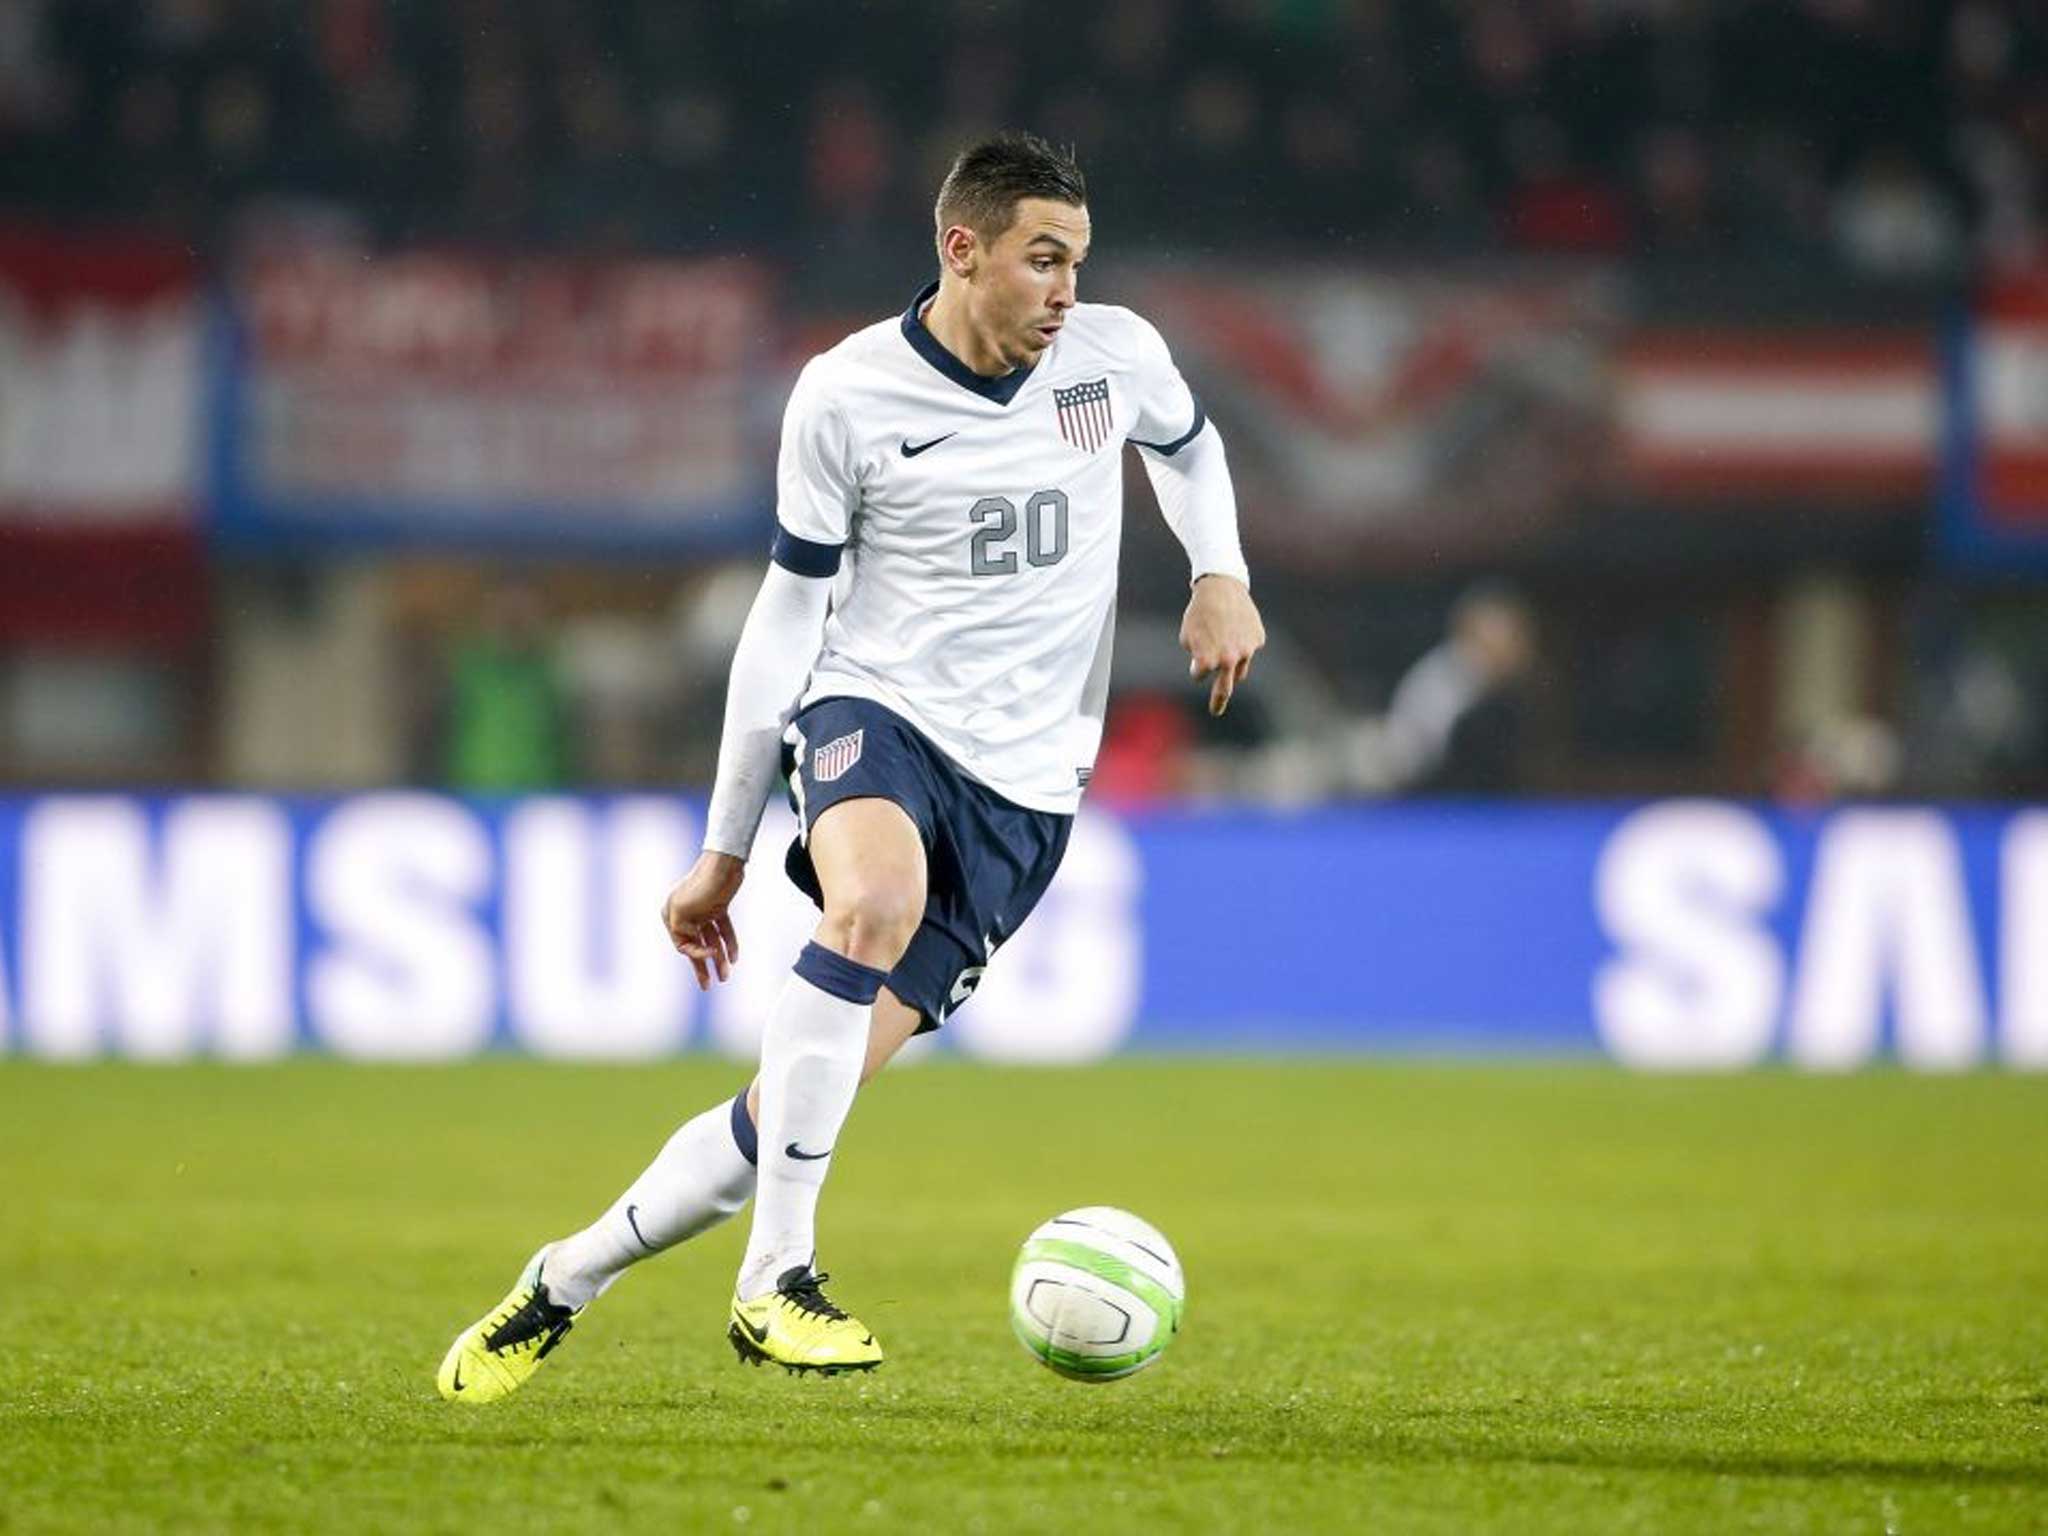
<point x="697" y="919"/>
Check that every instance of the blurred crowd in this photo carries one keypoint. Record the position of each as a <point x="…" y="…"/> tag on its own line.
<point x="1899" y="136"/>
<point x="505" y="695"/>
<point x="510" y="685"/>
<point x="1859" y="139"/>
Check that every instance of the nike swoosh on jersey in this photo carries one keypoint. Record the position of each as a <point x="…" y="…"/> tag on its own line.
<point x="912" y="450"/>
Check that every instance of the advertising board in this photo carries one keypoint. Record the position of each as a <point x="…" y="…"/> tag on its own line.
<point x="1668" y="935"/>
<point x="463" y="401"/>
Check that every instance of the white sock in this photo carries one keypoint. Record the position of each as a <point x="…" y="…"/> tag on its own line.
<point x="811" y="1056"/>
<point x="702" y="1176"/>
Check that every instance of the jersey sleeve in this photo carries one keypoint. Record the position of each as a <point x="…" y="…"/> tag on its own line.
<point x="815" y="489"/>
<point x="777" y="648"/>
<point x="1167" y="416"/>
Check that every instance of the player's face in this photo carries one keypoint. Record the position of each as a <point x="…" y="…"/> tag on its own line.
<point x="1024" y="285"/>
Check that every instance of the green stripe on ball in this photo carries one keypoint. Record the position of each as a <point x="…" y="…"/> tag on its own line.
<point x="1108" y="1267"/>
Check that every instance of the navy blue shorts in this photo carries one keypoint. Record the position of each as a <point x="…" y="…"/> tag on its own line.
<point x="987" y="859"/>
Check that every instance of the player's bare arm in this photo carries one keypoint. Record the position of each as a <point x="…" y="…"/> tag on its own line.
<point x="1221" y="632"/>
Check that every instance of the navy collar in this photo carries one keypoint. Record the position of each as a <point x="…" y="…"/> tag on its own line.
<point x="1002" y="390"/>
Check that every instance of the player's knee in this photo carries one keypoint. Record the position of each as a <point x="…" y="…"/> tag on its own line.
<point x="873" y="921"/>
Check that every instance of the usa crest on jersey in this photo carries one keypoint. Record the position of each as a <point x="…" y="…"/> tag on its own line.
<point x="835" y="757"/>
<point x="1085" y="414"/>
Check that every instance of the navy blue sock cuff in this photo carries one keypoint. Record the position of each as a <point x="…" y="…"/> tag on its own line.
<point x="838" y="976"/>
<point x="744" y="1136"/>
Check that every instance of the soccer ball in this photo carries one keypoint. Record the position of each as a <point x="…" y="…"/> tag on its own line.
<point x="1097" y="1294"/>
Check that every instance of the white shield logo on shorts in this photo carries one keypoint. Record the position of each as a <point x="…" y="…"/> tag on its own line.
<point x="963" y="987"/>
<point x="835" y="757"/>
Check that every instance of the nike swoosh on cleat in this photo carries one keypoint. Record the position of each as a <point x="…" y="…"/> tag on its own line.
<point x="912" y="450"/>
<point x="636" y="1230"/>
<point x="793" y="1150"/>
<point x="758" y="1335"/>
<point x="458" y="1375"/>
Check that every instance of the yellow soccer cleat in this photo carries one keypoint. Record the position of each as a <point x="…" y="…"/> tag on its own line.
<point x="493" y="1356"/>
<point x="795" y="1327"/>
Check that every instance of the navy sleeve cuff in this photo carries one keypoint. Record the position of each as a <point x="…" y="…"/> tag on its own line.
<point x="1193" y="432"/>
<point x="804" y="556"/>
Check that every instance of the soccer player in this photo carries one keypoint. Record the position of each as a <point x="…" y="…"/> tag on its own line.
<point x="926" y="668"/>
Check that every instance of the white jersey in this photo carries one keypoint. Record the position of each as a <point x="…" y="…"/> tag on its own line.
<point x="976" y="525"/>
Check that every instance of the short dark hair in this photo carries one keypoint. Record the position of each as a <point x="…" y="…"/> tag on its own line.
<point x="987" y="180"/>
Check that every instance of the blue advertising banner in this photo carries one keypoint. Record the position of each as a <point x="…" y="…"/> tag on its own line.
<point x="1679" y="935"/>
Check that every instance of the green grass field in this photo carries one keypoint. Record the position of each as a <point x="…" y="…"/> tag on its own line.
<point x="1432" y="1298"/>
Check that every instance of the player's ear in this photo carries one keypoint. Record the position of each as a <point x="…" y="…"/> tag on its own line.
<point x="959" y="249"/>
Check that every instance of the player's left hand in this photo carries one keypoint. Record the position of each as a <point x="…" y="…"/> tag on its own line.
<point x="1221" y="632"/>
